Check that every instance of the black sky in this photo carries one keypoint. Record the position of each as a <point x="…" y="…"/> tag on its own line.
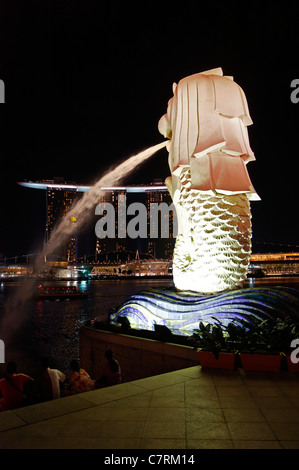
<point x="87" y="81"/>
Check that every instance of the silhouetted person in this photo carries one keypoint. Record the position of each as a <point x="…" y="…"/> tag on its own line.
<point x="11" y="388"/>
<point x="111" y="372"/>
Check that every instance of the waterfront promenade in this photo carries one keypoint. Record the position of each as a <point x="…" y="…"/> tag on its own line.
<point x="185" y="409"/>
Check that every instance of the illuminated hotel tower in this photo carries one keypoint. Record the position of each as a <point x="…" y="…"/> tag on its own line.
<point x="121" y="197"/>
<point x="59" y="201"/>
<point x="117" y="198"/>
<point x="61" y="195"/>
<point x="160" y="247"/>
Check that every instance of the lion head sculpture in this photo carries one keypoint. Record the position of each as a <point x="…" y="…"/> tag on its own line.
<point x="206" y="122"/>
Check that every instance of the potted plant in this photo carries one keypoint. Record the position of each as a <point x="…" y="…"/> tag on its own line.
<point x="265" y="343"/>
<point x="210" y="342"/>
<point x="260" y="344"/>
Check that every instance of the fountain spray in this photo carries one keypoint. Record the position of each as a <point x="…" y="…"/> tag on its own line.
<point x="14" y="314"/>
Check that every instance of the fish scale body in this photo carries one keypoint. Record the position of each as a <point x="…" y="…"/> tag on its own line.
<point x="213" y="246"/>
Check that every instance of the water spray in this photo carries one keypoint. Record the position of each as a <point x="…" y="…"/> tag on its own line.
<point x="15" y="306"/>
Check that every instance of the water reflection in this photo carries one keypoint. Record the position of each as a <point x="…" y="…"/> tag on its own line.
<point x="52" y="328"/>
<point x="291" y="281"/>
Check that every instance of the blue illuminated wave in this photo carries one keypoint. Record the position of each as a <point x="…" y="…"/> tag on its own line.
<point x="181" y="312"/>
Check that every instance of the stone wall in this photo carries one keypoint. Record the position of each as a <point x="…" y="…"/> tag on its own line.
<point x="138" y="357"/>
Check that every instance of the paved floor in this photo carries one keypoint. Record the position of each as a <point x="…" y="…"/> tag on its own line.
<point x="186" y="409"/>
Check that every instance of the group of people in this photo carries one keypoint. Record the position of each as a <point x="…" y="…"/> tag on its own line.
<point x="17" y="389"/>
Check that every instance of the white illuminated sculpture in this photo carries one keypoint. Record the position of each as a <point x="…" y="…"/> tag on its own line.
<point x="206" y="123"/>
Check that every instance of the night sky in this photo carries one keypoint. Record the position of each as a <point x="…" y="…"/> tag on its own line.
<point x="86" y="83"/>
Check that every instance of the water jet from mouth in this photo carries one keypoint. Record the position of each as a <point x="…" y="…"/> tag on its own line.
<point x="14" y="310"/>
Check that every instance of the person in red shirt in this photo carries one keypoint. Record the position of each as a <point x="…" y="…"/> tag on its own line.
<point x="11" y="388"/>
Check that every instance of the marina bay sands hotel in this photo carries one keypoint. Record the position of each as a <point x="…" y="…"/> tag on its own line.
<point x="61" y="195"/>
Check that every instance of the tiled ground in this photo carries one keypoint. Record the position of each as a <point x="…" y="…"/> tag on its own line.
<point x="186" y="409"/>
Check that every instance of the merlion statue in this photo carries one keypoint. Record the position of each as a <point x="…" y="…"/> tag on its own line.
<point x="206" y="122"/>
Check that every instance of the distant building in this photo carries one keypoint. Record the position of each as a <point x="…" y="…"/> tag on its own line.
<point x="61" y="195"/>
<point x="59" y="202"/>
<point x="108" y="245"/>
<point x="155" y="193"/>
<point x="160" y="247"/>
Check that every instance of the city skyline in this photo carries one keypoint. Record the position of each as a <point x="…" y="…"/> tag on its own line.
<point x="153" y="233"/>
<point x="120" y="245"/>
<point x="85" y="88"/>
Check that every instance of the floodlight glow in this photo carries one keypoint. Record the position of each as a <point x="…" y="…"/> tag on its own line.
<point x="181" y="312"/>
<point x="207" y="121"/>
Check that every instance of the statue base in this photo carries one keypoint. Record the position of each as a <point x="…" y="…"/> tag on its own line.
<point x="181" y="312"/>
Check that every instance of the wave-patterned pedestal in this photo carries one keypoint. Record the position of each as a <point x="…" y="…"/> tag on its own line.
<point x="181" y="312"/>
